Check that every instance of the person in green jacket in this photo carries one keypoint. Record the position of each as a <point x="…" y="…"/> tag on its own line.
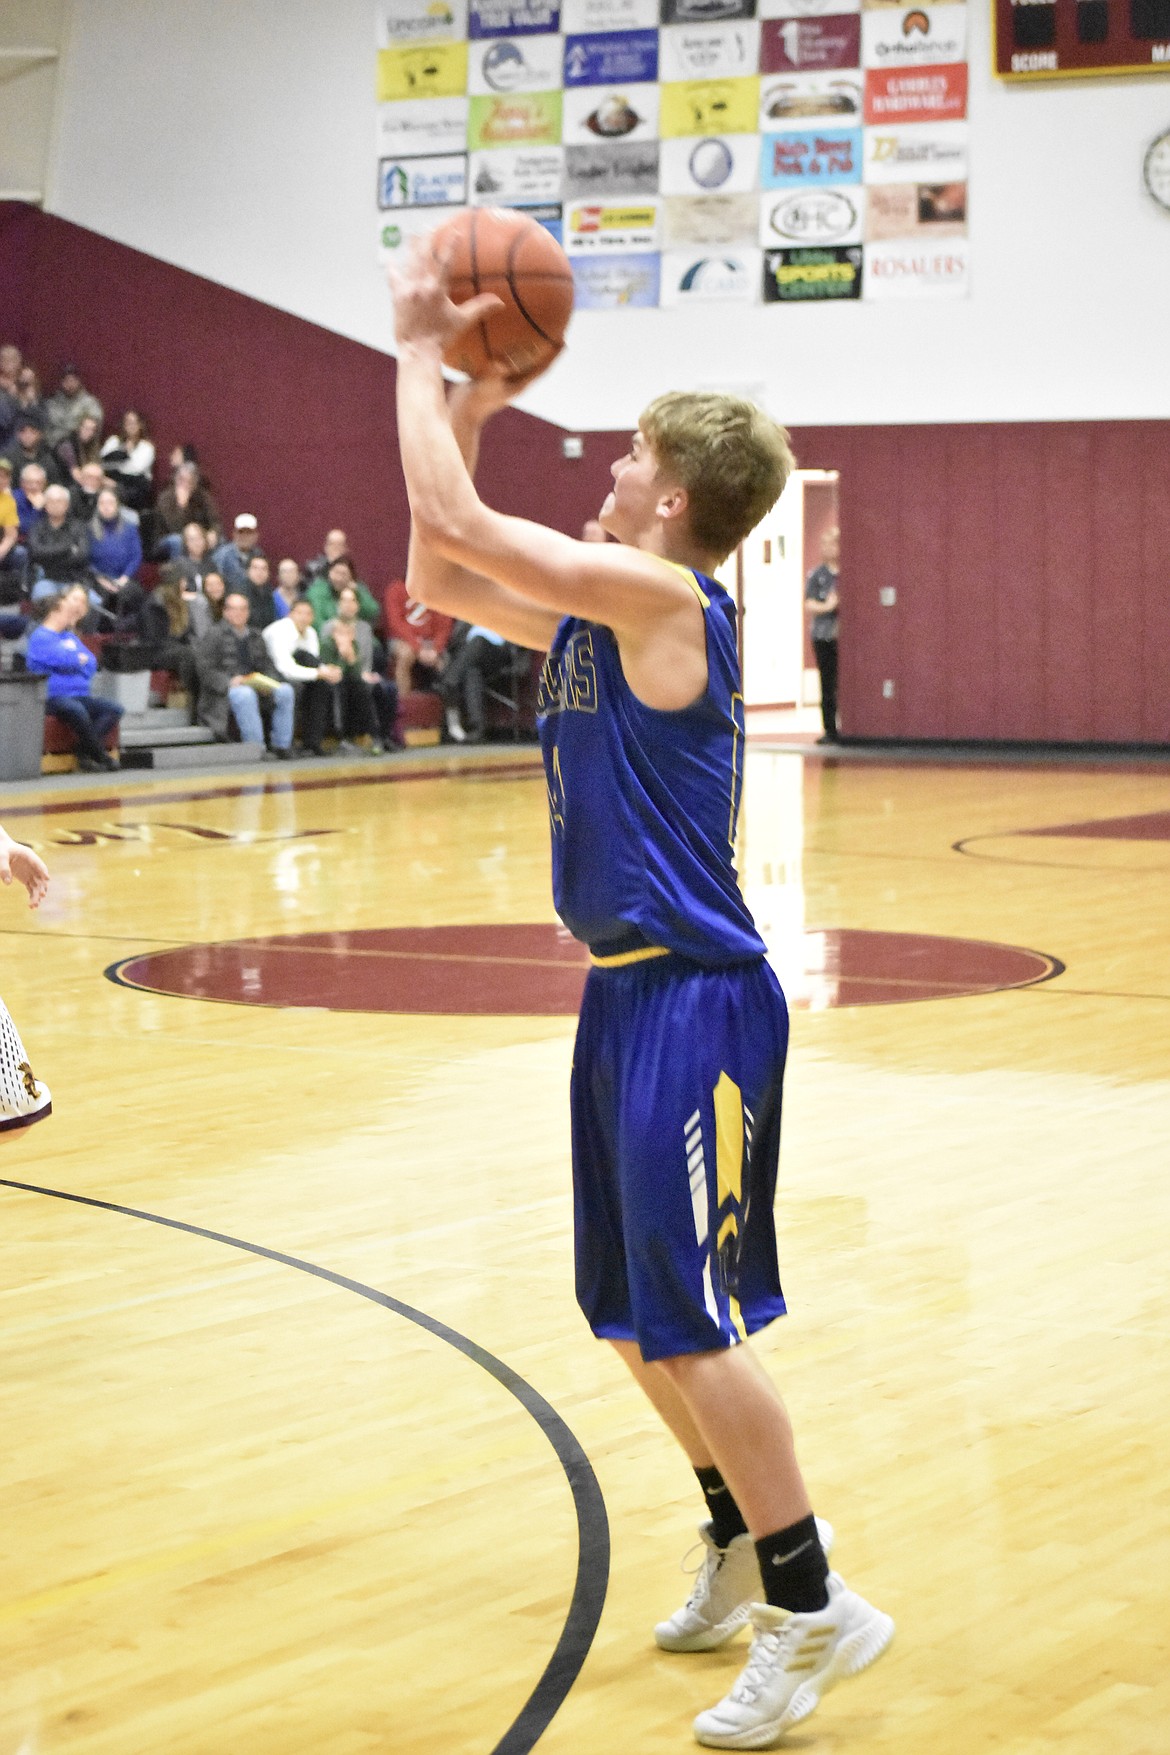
<point x="368" y="702"/>
<point x="325" y="593"/>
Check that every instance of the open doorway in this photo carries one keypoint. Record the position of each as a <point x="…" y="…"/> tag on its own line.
<point x="766" y="575"/>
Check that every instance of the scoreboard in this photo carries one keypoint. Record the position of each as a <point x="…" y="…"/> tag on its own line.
<point x="1068" y="39"/>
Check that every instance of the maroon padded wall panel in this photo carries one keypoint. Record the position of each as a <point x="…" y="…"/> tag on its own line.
<point x="1029" y="560"/>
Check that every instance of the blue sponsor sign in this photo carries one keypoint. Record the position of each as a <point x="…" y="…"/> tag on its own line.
<point x="810" y="155"/>
<point x="616" y="283"/>
<point x="626" y="57"/>
<point x="513" y="18"/>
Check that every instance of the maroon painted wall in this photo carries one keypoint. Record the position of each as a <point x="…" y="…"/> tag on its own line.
<point x="1031" y="562"/>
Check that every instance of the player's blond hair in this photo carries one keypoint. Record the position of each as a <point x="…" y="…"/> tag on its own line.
<point x="731" y="458"/>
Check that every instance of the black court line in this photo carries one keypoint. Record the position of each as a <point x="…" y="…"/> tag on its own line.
<point x="967" y="848"/>
<point x="592" y="1579"/>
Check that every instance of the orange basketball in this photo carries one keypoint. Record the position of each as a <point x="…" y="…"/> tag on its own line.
<point x="501" y="251"/>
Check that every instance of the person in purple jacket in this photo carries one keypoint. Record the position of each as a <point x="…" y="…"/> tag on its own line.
<point x="56" y="651"/>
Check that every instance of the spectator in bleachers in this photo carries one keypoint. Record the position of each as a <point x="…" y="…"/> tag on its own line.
<point x="187" y="500"/>
<point x="289" y="582"/>
<point x="83" y="445"/>
<point x="29" y="495"/>
<point x="11" y="360"/>
<point x="368" y="703"/>
<point x="67" y="405"/>
<point x="480" y="659"/>
<point x="232" y="557"/>
<point x="29" y="445"/>
<point x="12" y="551"/>
<point x="335" y="545"/>
<point x="418" y="639"/>
<point x="58" y="546"/>
<point x="7" y="418"/>
<point x="85" y="490"/>
<point x="128" y="456"/>
<point x="325" y="594"/>
<point x="267" y="604"/>
<point x="168" y="633"/>
<point x="235" y="673"/>
<point x="295" y="650"/>
<point x="206" y="607"/>
<point x="28" y="394"/>
<point x="55" y="651"/>
<point x="115" y="556"/>
<point x="195" y="561"/>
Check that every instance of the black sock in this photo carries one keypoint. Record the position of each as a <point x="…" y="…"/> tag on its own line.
<point x="726" y="1517"/>
<point x="794" y="1568"/>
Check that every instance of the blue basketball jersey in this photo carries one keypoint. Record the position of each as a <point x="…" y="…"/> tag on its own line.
<point x="644" y="803"/>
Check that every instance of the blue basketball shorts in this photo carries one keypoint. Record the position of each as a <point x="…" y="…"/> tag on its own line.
<point x="678" y="1072"/>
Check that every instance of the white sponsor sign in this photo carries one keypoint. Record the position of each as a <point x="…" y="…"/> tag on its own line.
<point x="792" y="219"/>
<point x="396" y="229"/>
<point x="923" y="152"/>
<point x="421" y="125"/>
<point x="807" y="8"/>
<point x="709" y="51"/>
<point x="439" y="181"/>
<point x="913" y="36"/>
<point x="722" y="276"/>
<point x="709" y="219"/>
<point x="421" y="21"/>
<point x="719" y="164"/>
<point x="789" y="99"/>
<point x="593" y="113"/>
<point x="913" y="270"/>
<point x="515" y="174"/>
<point x="505" y="64"/>
<point x="586" y="17"/>
<point x="622" y="227"/>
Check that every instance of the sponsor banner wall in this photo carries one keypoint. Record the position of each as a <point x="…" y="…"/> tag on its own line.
<point x="812" y="275"/>
<point x="725" y="164"/>
<point x="624" y="228"/>
<point x="806" y="8"/>
<point x="396" y="229"/>
<point x="710" y="106"/>
<point x="438" y="70"/>
<point x="806" y="217"/>
<point x="524" y="119"/>
<point x="915" y="36"/>
<point x="516" y="177"/>
<point x="422" y="125"/>
<point x="616" y="283"/>
<point x="810" y="155"/>
<point x="581" y="16"/>
<point x="709" y="51"/>
<point x="705" y="11"/>
<point x="727" y="276"/>
<point x="421" y="21"/>
<point x="917" y="154"/>
<point x="788" y="99"/>
<point x="611" y="58"/>
<point x="916" y="211"/>
<point x="810" y="45"/>
<point x="926" y="94"/>
<point x="918" y="270"/>
<point x="598" y="112"/>
<point x="439" y="181"/>
<point x="504" y="64"/>
<point x="512" y="18"/>
<point x="708" y="219"/>
<point x="629" y="168"/>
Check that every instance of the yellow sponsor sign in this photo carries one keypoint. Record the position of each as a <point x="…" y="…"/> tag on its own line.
<point x="423" y="71"/>
<point x="710" y="106"/>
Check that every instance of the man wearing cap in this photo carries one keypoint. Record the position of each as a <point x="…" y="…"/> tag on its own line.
<point x="67" y="405"/>
<point x="231" y="558"/>
<point x="29" y="446"/>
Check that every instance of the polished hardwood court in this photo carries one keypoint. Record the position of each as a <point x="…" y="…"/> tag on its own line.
<point x="305" y="1444"/>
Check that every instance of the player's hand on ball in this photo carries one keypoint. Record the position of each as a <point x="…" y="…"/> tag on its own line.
<point x="422" y="311"/>
<point x="27" y="868"/>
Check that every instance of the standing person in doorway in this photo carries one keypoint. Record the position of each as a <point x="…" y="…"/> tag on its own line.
<point x="820" y="606"/>
<point x="680" y="1051"/>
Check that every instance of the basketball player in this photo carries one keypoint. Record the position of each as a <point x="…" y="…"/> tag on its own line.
<point x="23" y="1099"/>
<point x="681" y="1044"/>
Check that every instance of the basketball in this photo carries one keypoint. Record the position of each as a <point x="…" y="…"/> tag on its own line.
<point x="498" y="250"/>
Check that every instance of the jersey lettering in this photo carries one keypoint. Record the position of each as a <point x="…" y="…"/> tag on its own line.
<point x="568" y="684"/>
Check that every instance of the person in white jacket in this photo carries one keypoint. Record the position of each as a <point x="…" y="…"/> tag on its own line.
<point x="23" y="1098"/>
<point x="295" y="651"/>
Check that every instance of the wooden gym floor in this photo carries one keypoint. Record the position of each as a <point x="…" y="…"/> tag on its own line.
<point x="305" y="1445"/>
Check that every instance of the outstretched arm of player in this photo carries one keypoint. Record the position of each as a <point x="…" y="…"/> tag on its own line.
<point x="445" y="585"/>
<point x="654" y="613"/>
<point x="21" y="863"/>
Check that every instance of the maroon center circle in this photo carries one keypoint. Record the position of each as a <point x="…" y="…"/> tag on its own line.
<point x="537" y="970"/>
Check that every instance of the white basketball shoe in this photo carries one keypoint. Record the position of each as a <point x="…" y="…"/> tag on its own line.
<point x="726" y="1586"/>
<point x="793" y="1660"/>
